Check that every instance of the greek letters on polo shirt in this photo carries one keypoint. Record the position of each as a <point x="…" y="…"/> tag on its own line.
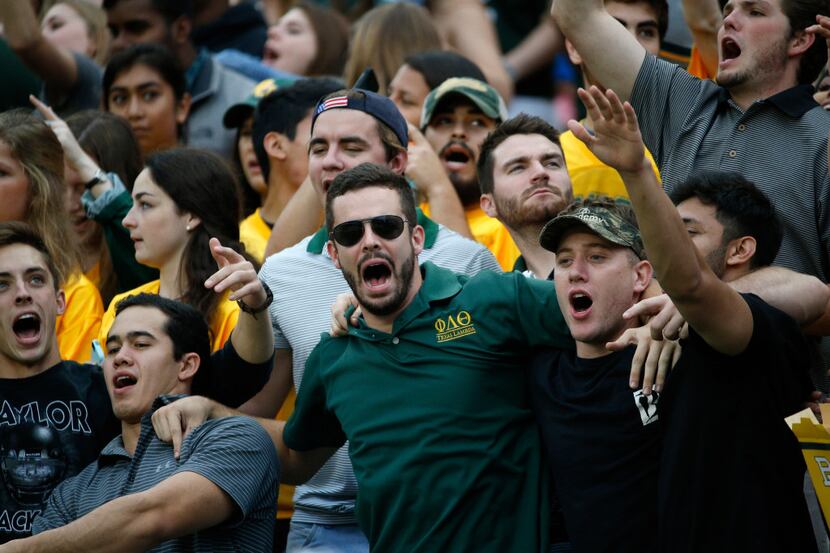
<point x="779" y="143"/>
<point x="234" y="453"/>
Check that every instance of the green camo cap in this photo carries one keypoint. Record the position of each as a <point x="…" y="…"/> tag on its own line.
<point x="478" y="92"/>
<point x="602" y="220"/>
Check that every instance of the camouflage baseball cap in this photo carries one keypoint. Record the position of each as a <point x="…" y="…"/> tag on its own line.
<point x="603" y="218"/>
<point x="478" y="92"/>
<point x="239" y="112"/>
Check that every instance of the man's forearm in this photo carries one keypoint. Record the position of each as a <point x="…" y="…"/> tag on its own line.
<point x="124" y="525"/>
<point x="252" y="337"/>
<point x="301" y="217"/>
<point x="802" y="297"/>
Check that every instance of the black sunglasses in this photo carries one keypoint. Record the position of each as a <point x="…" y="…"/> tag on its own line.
<point x="349" y="233"/>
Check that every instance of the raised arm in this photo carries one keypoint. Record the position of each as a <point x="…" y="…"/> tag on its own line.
<point x="55" y="65"/>
<point x="182" y="504"/>
<point x="613" y="61"/>
<point x="710" y="306"/>
<point x="704" y="18"/>
<point x="465" y="25"/>
<point x="252" y="338"/>
<point x="302" y="216"/>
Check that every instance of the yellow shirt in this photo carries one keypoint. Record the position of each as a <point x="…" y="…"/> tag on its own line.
<point x="94" y="274"/>
<point x="490" y="233"/>
<point x="591" y="176"/>
<point x="696" y="66"/>
<point x="221" y="326"/>
<point x="254" y="233"/>
<point x="81" y="319"/>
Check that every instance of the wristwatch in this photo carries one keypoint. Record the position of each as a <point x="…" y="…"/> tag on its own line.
<point x="269" y="298"/>
<point x="99" y="176"/>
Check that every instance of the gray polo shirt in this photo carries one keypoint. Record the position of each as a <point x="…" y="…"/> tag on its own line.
<point x="305" y="284"/>
<point x="779" y="143"/>
<point x="234" y="453"/>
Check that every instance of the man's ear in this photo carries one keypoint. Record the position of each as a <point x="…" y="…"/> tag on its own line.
<point x="398" y="163"/>
<point x="488" y="206"/>
<point x="189" y="365"/>
<point x="60" y="297"/>
<point x="800" y="43"/>
<point x="740" y="251"/>
<point x="275" y="145"/>
<point x="418" y="238"/>
<point x="331" y="247"/>
<point x="643" y="273"/>
<point x="573" y="55"/>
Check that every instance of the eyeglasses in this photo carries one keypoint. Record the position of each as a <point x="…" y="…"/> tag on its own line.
<point x="349" y="233"/>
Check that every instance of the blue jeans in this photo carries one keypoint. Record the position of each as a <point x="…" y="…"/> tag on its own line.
<point x="322" y="538"/>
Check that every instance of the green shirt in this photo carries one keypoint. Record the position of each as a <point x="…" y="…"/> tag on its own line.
<point x="441" y="435"/>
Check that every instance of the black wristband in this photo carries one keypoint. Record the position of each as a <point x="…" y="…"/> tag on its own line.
<point x="99" y="176"/>
<point x="269" y="298"/>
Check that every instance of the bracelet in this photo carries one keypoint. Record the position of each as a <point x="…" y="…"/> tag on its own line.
<point x="269" y="298"/>
<point x="98" y="177"/>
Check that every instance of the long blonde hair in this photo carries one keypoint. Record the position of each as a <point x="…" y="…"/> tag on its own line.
<point x="35" y="146"/>
<point x="384" y="36"/>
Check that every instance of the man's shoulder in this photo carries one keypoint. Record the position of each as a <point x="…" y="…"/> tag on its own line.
<point x="236" y="430"/>
<point x="294" y="262"/>
<point x="458" y="253"/>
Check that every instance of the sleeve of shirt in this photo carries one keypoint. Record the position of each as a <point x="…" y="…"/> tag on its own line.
<point x="538" y="313"/>
<point x="231" y="380"/>
<point x="313" y="425"/>
<point x="236" y="454"/>
<point x="776" y="336"/>
<point x="62" y="505"/>
<point x="663" y="96"/>
<point x="84" y="94"/>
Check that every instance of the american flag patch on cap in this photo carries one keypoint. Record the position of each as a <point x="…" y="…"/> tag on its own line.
<point x="336" y="102"/>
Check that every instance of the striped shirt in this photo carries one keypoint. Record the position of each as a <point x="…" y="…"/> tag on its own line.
<point x="779" y="143"/>
<point x="234" y="453"/>
<point x="305" y="284"/>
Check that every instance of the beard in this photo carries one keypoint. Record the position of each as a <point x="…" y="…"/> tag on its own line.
<point x="468" y="190"/>
<point x="768" y="63"/>
<point x="514" y="212"/>
<point x="403" y="280"/>
<point x="716" y="259"/>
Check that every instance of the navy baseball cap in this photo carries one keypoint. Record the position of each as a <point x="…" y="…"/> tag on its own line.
<point x="379" y="107"/>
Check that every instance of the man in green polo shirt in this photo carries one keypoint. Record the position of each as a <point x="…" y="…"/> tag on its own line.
<point x="429" y="390"/>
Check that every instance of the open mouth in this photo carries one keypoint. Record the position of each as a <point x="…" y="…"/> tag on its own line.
<point x="456" y="156"/>
<point x="376" y="273"/>
<point x="27" y="327"/>
<point x="729" y="49"/>
<point x="580" y="302"/>
<point x="122" y="381"/>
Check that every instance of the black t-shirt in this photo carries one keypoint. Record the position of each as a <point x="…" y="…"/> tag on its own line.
<point x="52" y="425"/>
<point x="731" y="473"/>
<point x="603" y="444"/>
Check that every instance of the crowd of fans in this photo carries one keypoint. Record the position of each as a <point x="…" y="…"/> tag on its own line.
<point x="526" y="276"/>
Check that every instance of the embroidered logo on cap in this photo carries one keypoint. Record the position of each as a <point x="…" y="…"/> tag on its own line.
<point x="336" y="102"/>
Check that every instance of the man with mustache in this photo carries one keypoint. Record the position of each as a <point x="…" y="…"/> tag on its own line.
<point x="457" y="116"/>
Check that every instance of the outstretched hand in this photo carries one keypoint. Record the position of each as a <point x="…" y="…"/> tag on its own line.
<point x="236" y="274"/>
<point x="616" y="140"/>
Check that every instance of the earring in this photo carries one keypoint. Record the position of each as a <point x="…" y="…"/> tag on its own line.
<point x="187" y="228"/>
